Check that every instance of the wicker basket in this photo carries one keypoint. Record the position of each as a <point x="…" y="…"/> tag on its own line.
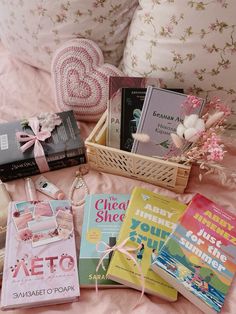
<point x="170" y="175"/>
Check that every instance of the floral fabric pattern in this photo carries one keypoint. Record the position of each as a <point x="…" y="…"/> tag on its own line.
<point x="33" y="30"/>
<point x="189" y="44"/>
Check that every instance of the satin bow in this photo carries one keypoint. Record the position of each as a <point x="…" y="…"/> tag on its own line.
<point x="122" y="248"/>
<point x="35" y="140"/>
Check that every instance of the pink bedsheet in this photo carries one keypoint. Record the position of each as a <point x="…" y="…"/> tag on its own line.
<point x="25" y="91"/>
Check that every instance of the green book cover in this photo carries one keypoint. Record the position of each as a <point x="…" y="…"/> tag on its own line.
<point x="103" y="216"/>
<point x="149" y="220"/>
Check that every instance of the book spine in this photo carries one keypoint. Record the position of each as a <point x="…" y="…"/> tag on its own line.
<point x="5" y="280"/>
<point x="25" y="168"/>
<point x="142" y="118"/>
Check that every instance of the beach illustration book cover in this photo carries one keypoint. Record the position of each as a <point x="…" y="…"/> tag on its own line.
<point x="199" y="257"/>
<point x="40" y="264"/>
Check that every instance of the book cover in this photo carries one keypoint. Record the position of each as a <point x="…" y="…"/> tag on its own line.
<point x="149" y="219"/>
<point x="64" y="148"/>
<point x="40" y="265"/>
<point x="116" y="83"/>
<point x="131" y="106"/>
<point x="161" y="114"/>
<point x="199" y="257"/>
<point x="103" y="216"/>
<point x="5" y="199"/>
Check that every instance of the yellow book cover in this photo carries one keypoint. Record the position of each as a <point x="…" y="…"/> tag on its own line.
<point x="149" y="220"/>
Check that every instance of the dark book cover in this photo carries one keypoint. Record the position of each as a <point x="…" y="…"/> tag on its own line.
<point x="63" y="148"/>
<point x="116" y="83"/>
<point x="131" y="107"/>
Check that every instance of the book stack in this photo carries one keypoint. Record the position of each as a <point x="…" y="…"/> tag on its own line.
<point x="162" y="247"/>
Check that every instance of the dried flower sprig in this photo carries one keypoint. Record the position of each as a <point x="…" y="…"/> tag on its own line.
<point x="207" y="149"/>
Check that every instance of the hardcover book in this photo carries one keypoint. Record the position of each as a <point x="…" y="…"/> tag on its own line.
<point x="40" y="265"/>
<point x="116" y="84"/>
<point x="149" y="219"/>
<point x="131" y="106"/>
<point x="63" y="148"/>
<point x="162" y="112"/>
<point x="199" y="257"/>
<point x="103" y="216"/>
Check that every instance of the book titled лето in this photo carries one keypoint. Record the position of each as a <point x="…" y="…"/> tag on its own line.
<point x="40" y="264"/>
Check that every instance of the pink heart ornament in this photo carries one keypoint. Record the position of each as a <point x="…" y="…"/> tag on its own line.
<point x="80" y="79"/>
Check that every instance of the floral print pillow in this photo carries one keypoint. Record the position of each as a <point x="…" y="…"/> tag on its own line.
<point x="33" y="30"/>
<point x="189" y="44"/>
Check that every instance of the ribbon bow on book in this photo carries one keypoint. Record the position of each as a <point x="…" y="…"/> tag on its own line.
<point x="123" y="249"/>
<point x="35" y="141"/>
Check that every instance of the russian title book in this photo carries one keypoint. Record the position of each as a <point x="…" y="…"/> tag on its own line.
<point x="116" y="83"/>
<point x="131" y="107"/>
<point x="5" y="199"/>
<point x="162" y="112"/>
<point x="64" y="148"/>
<point x="40" y="265"/>
<point x="199" y="257"/>
<point x="103" y="216"/>
<point x="149" y="219"/>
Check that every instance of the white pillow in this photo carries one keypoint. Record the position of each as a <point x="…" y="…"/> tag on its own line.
<point x="189" y="44"/>
<point x="33" y="30"/>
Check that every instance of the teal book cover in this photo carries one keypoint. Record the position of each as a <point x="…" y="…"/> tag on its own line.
<point x="103" y="216"/>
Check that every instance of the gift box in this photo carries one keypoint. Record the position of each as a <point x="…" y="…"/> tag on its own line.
<point x="39" y="144"/>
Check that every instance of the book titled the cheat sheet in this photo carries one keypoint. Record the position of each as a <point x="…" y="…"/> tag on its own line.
<point x="40" y="262"/>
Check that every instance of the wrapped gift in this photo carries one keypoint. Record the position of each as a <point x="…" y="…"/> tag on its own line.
<point x="48" y="142"/>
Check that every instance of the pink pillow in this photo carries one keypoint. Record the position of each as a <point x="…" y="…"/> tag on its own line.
<point x="80" y="78"/>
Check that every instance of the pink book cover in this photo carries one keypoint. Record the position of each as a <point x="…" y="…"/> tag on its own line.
<point x="40" y="264"/>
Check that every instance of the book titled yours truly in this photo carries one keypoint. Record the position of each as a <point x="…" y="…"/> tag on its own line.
<point x="149" y="219"/>
<point x="162" y="112"/>
<point x="199" y="257"/>
<point x="40" y="264"/>
<point x="116" y="83"/>
<point x="103" y="216"/>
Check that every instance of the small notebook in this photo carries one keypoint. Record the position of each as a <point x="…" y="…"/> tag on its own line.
<point x="40" y="264"/>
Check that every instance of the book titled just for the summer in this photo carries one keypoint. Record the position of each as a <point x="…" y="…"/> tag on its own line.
<point x="103" y="216"/>
<point x="149" y="219"/>
<point x="40" y="264"/>
<point x="199" y="257"/>
<point x="162" y="112"/>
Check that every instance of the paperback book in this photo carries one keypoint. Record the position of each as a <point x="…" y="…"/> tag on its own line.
<point x="162" y="112"/>
<point x="131" y="107"/>
<point x="103" y="216"/>
<point x="116" y="83"/>
<point x="40" y="265"/>
<point x="5" y="199"/>
<point x="149" y="219"/>
<point x="199" y="257"/>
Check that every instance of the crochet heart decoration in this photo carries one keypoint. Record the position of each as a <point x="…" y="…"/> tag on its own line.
<point x="80" y="79"/>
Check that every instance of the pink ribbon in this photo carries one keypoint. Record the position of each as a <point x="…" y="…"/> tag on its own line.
<point x="34" y="140"/>
<point x="124" y="250"/>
